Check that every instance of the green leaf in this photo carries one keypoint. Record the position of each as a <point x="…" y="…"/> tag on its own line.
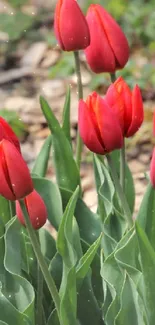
<point x="146" y="214"/>
<point x="66" y="169"/>
<point x="105" y="188"/>
<point x="55" y="268"/>
<point x="130" y="312"/>
<point x="147" y="255"/>
<point x="129" y="183"/>
<point x="65" y="235"/>
<point x="66" y="117"/>
<point x="5" y="214"/>
<point x="47" y="244"/>
<point x="68" y="305"/>
<point x="53" y="318"/>
<point x="51" y="196"/>
<point x="88" y="310"/>
<point x="86" y="260"/>
<point x="41" y="163"/>
<point x="89" y="223"/>
<point x="18" y="292"/>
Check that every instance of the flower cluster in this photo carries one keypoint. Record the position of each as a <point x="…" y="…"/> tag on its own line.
<point x="103" y="122"/>
<point x="15" y="179"/>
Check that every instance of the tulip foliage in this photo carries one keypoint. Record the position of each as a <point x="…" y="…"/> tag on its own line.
<point x="93" y="268"/>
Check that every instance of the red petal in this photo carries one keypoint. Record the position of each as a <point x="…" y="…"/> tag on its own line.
<point x="116" y="37"/>
<point x="88" y="130"/>
<point x="115" y="100"/>
<point x="99" y="54"/>
<point x="137" y="112"/>
<point x="36" y="209"/>
<point x="7" y="133"/>
<point x="19" y="176"/>
<point x="73" y="28"/>
<point x="57" y="23"/>
<point x="109" y="126"/>
<point x="5" y="189"/>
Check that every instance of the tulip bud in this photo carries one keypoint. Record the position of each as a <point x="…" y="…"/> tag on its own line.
<point x="15" y="179"/>
<point x="152" y="169"/>
<point x="36" y="210"/>
<point x="98" y="125"/>
<point x="70" y="26"/>
<point x="108" y="50"/>
<point x="7" y="133"/>
<point x="127" y="105"/>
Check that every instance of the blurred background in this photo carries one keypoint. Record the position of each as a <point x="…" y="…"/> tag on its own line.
<point x="31" y="64"/>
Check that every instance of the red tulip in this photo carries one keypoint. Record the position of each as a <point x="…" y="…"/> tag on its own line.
<point x="127" y="105"/>
<point x="15" y="179"/>
<point x="108" y="50"/>
<point x="152" y="169"/>
<point x="36" y="209"/>
<point x="98" y="125"/>
<point x="7" y="133"/>
<point x="70" y="26"/>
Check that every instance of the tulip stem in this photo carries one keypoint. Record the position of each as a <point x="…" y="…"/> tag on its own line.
<point x="43" y="266"/>
<point x="119" y="191"/>
<point x="113" y="77"/>
<point x="39" y="311"/>
<point x="79" y="143"/>
<point x="122" y="167"/>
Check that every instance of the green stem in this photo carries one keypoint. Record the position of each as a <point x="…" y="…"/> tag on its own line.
<point x="122" y="167"/>
<point x="40" y="282"/>
<point x="12" y="209"/>
<point x="79" y="143"/>
<point x="113" y="77"/>
<point x="119" y="191"/>
<point x="43" y="266"/>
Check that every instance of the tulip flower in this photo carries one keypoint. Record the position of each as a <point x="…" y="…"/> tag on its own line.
<point x="127" y="105"/>
<point x="7" y="133"/>
<point x="152" y="169"/>
<point x="108" y="50"/>
<point x="98" y="125"/>
<point x="36" y="210"/>
<point x="15" y="179"/>
<point x="70" y="26"/>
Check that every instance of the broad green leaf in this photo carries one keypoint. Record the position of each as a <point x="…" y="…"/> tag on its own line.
<point x="18" y="292"/>
<point x="5" y="214"/>
<point x="41" y="163"/>
<point x="88" y="310"/>
<point x="129" y="183"/>
<point x="105" y="188"/>
<point x="65" y="166"/>
<point x="51" y="196"/>
<point x="47" y="244"/>
<point x="65" y="235"/>
<point x="10" y="315"/>
<point x="114" y="225"/>
<point x="130" y="312"/>
<point x="146" y="214"/>
<point x="55" y="268"/>
<point x="147" y="257"/>
<point x="12" y="244"/>
<point x="89" y="223"/>
<point x="53" y="318"/>
<point x="66" y="117"/>
<point x="68" y="305"/>
<point x="86" y="260"/>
